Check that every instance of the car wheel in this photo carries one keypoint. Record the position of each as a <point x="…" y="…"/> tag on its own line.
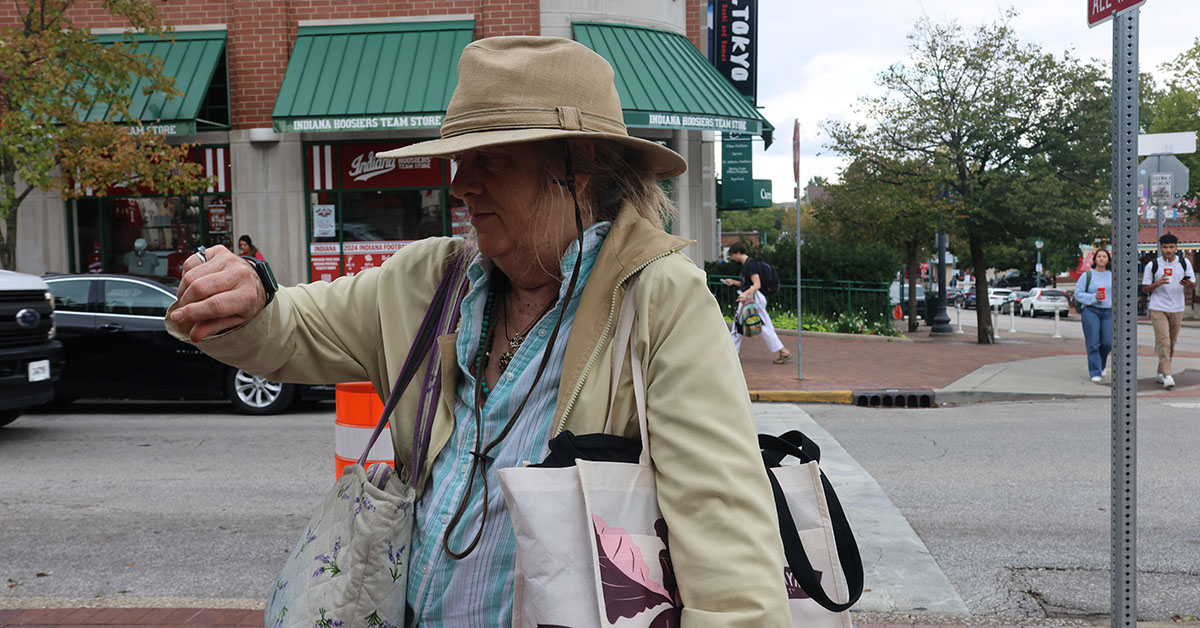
<point x="8" y="416"/>
<point x="251" y="394"/>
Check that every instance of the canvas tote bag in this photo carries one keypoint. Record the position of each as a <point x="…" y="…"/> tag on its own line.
<point x="823" y="562"/>
<point x="350" y="567"/>
<point x="591" y="541"/>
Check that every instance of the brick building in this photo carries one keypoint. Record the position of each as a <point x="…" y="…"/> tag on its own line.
<point x="286" y="103"/>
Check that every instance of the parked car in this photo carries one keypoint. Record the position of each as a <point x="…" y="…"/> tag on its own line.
<point x="30" y="355"/>
<point x="997" y="297"/>
<point x="1016" y="280"/>
<point x="898" y="295"/>
<point x="117" y="347"/>
<point x="969" y="297"/>
<point x="1014" y="302"/>
<point x="955" y="297"/>
<point x="1045" y="301"/>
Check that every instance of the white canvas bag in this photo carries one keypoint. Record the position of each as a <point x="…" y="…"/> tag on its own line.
<point x="591" y="542"/>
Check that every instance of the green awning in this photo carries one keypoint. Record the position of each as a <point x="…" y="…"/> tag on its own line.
<point x="664" y="82"/>
<point x="365" y="77"/>
<point x="190" y="57"/>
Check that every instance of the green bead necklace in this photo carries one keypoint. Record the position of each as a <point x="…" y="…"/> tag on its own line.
<point x="484" y="353"/>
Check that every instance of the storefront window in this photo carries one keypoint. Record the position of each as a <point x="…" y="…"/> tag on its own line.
<point x="151" y="235"/>
<point x="363" y="208"/>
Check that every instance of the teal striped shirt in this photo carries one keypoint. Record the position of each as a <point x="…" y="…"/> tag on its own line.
<point x="478" y="590"/>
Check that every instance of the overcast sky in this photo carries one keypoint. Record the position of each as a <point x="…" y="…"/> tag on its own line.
<point x="817" y="57"/>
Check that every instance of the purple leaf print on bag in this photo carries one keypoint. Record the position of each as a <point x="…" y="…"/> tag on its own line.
<point x="794" y="591"/>
<point x="625" y="579"/>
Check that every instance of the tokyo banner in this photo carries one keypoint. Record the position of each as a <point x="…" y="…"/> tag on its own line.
<point x="735" y="44"/>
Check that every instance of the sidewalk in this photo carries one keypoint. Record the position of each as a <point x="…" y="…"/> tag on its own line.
<point x="842" y="368"/>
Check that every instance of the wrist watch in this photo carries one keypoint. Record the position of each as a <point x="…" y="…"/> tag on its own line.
<point x="264" y="275"/>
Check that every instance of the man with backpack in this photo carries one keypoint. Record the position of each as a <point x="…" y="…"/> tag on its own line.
<point x="758" y="281"/>
<point x="1165" y="279"/>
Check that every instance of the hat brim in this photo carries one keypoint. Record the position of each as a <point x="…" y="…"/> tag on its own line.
<point x="664" y="162"/>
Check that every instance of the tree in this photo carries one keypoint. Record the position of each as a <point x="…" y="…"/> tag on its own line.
<point x="1014" y="136"/>
<point x="875" y="202"/>
<point x="1176" y="108"/>
<point x="51" y="72"/>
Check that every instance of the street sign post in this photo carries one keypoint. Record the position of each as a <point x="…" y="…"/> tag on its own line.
<point x="1123" y="428"/>
<point x="1100" y="11"/>
<point x="1167" y="143"/>
<point x="799" y="280"/>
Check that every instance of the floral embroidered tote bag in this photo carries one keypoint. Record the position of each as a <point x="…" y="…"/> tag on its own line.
<point x="350" y="567"/>
<point x="591" y="541"/>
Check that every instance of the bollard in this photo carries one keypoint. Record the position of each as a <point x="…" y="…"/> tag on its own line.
<point x="1056" y="334"/>
<point x="1012" y="318"/>
<point x="958" y="317"/>
<point x="358" y="410"/>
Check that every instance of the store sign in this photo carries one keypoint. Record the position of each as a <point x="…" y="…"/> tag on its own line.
<point x="696" y="122"/>
<point x="360" y="166"/>
<point x="326" y="258"/>
<point x="360" y="123"/>
<point x="737" y="180"/>
<point x="185" y="127"/>
<point x="735" y="46"/>
<point x="218" y="218"/>
<point x="324" y="221"/>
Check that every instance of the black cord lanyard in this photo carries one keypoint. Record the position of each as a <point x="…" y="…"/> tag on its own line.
<point x="480" y="454"/>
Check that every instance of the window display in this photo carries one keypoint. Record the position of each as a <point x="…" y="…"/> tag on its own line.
<point x="362" y="209"/>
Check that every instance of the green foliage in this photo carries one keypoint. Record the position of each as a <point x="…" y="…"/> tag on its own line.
<point x="50" y="72"/>
<point x="1015" y="140"/>
<point x="1176" y="107"/>
<point x="823" y="258"/>
<point x="845" y="323"/>
<point x="766" y="220"/>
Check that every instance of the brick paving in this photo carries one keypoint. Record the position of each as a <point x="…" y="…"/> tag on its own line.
<point x="839" y="363"/>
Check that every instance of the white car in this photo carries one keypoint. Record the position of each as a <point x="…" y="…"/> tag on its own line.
<point x="998" y="297"/>
<point x="1045" y="301"/>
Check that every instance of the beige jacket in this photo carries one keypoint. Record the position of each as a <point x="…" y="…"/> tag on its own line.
<point x="712" y="487"/>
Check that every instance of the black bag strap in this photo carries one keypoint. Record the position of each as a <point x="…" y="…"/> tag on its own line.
<point x="796" y="444"/>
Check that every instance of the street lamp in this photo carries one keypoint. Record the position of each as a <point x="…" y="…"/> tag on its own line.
<point x="941" y="320"/>
<point x="1038" y="271"/>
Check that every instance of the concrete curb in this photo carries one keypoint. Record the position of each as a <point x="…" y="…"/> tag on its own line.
<point x="803" y="396"/>
<point x="960" y="397"/>
<point x="831" y="334"/>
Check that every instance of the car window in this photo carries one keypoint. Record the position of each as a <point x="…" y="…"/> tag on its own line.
<point x="70" y="295"/>
<point x="1053" y="293"/>
<point x="128" y="297"/>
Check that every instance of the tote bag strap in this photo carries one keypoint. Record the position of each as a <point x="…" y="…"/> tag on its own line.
<point x="793" y="548"/>
<point x="437" y="316"/>
<point x="622" y="344"/>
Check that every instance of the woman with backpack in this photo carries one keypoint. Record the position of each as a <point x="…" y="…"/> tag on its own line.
<point x="1093" y="294"/>
<point x="750" y="298"/>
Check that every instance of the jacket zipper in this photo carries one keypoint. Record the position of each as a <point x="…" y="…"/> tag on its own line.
<point x="612" y="306"/>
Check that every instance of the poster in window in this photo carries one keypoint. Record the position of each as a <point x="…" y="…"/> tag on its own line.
<point x="326" y="259"/>
<point x="363" y="255"/>
<point x="324" y="222"/>
<point x="218" y="219"/>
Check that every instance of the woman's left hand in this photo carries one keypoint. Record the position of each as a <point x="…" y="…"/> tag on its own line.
<point x="745" y="298"/>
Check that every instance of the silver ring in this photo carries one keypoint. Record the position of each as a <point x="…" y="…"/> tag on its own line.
<point x="200" y="252"/>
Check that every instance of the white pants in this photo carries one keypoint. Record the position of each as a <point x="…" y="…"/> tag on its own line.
<point x="774" y="345"/>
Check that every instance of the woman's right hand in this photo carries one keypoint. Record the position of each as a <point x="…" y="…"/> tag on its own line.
<point x="217" y="294"/>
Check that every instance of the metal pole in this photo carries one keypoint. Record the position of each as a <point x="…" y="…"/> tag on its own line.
<point x="1056" y="334"/>
<point x="1161" y="211"/>
<point x="1012" y="317"/>
<point x="958" y="317"/>
<point x="1038" y="272"/>
<point x="799" y="281"/>
<point x="1125" y="282"/>
<point x="941" y="320"/>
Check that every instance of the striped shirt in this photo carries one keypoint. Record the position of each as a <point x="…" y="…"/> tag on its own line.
<point x="477" y="591"/>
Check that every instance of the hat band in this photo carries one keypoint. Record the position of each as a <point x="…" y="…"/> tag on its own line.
<point x="565" y="118"/>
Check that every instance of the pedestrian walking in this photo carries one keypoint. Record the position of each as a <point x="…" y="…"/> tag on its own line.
<point x="1093" y="294"/>
<point x="247" y="248"/>
<point x="750" y="285"/>
<point x="1165" y="278"/>
<point x="566" y="207"/>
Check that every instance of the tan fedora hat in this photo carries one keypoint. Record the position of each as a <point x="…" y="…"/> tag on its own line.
<point x="525" y="89"/>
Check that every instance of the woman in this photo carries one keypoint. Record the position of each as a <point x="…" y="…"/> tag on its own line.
<point x="566" y="208"/>
<point x="1093" y="293"/>
<point x="246" y="246"/>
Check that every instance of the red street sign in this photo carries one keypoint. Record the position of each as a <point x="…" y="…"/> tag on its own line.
<point x="1100" y="11"/>
<point x="796" y="151"/>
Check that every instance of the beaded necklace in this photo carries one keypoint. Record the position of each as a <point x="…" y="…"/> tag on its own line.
<point x="485" y="340"/>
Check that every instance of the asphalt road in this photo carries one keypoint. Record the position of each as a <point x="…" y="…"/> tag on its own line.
<point x="122" y="500"/>
<point x="1012" y="499"/>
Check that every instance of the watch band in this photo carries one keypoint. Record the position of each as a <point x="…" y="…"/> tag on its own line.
<point x="270" y="286"/>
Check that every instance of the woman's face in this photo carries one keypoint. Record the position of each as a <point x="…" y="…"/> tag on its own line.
<point x="243" y="247"/>
<point x="516" y="219"/>
<point x="1102" y="259"/>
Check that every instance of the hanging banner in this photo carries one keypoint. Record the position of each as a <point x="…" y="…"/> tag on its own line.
<point x="735" y="44"/>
